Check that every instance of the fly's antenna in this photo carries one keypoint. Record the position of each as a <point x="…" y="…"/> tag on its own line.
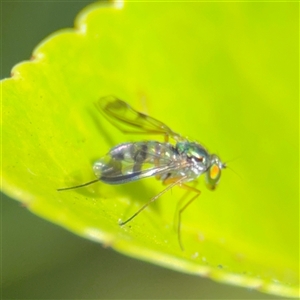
<point x="227" y="167"/>
<point x="233" y="159"/>
<point x="78" y="186"/>
<point x="232" y="170"/>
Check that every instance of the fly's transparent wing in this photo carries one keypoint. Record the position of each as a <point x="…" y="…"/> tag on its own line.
<point x="113" y="175"/>
<point x="133" y="161"/>
<point x="128" y="120"/>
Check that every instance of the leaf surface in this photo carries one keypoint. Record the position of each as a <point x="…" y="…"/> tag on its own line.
<point x="222" y="74"/>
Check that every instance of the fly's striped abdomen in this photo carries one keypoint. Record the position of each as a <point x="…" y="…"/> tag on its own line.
<point x="132" y="161"/>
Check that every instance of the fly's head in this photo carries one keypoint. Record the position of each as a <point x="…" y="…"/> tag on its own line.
<point x="200" y="161"/>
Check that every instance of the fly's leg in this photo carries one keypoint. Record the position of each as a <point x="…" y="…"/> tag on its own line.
<point x="78" y="186"/>
<point x="189" y="188"/>
<point x="177" y="182"/>
<point x="179" y="204"/>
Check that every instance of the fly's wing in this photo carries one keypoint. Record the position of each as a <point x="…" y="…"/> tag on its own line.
<point x="118" y="177"/>
<point x="133" y="161"/>
<point x="128" y="120"/>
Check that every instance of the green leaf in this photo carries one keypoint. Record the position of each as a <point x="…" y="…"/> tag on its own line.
<point x="224" y="74"/>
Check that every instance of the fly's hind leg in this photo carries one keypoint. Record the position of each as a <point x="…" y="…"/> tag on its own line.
<point x="177" y="182"/>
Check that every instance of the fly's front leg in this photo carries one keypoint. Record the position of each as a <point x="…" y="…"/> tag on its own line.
<point x="179" y="204"/>
<point x="181" y="210"/>
<point x="189" y="188"/>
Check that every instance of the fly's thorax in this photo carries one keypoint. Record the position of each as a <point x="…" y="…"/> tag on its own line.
<point x="196" y="156"/>
<point x="213" y="173"/>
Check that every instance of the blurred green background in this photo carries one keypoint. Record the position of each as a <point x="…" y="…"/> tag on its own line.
<point x="41" y="260"/>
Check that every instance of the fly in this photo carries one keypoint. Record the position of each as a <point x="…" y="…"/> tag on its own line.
<point x="175" y="164"/>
